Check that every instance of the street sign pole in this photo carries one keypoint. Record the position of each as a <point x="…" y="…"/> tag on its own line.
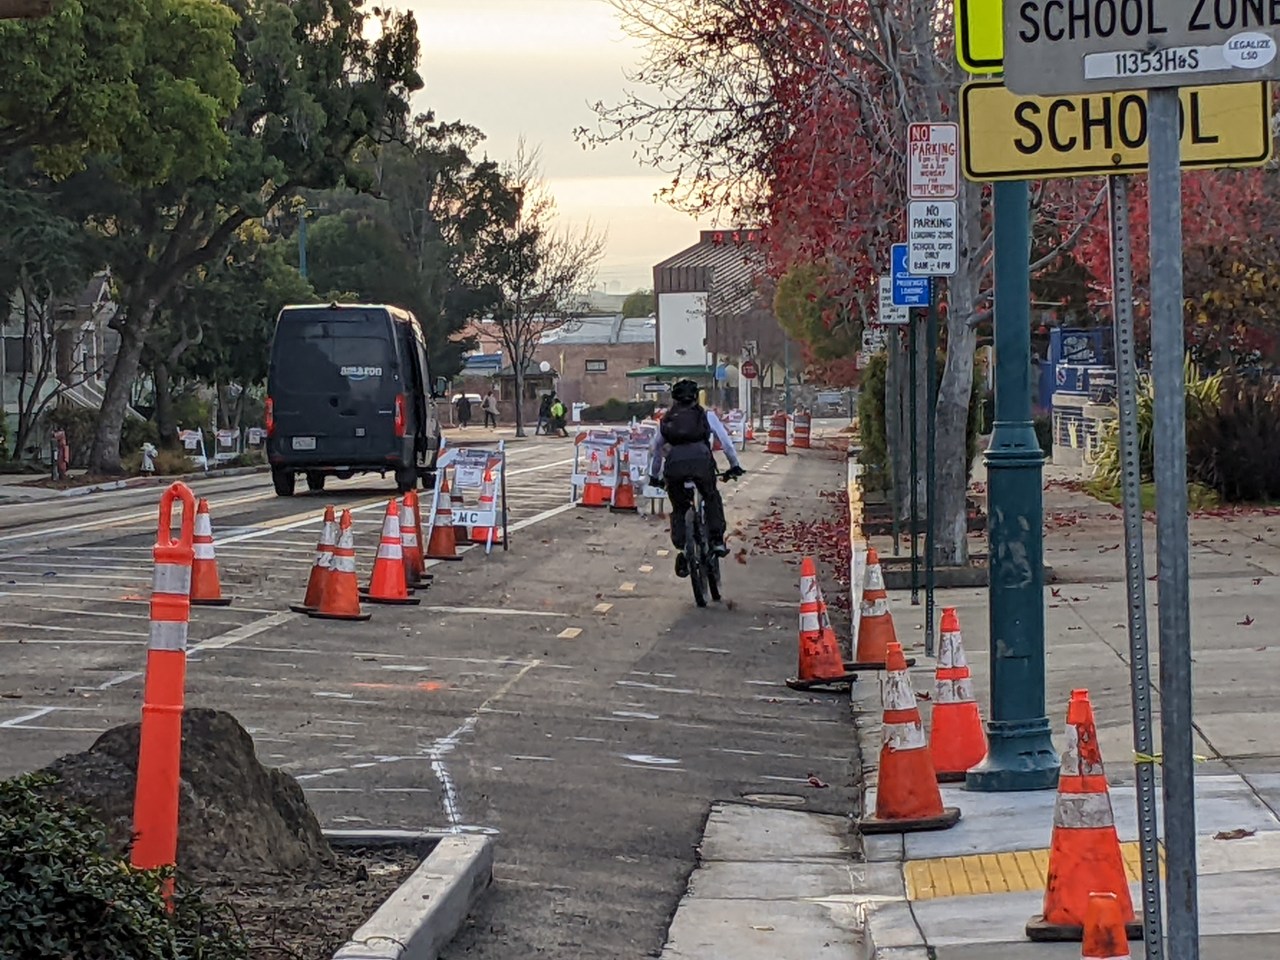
<point x="1165" y="213"/>
<point x="893" y="408"/>
<point x="931" y="462"/>
<point x="1021" y="754"/>
<point x="914" y="522"/>
<point x="1135" y="564"/>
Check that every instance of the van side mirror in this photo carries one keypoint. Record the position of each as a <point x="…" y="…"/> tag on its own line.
<point x="442" y="387"/>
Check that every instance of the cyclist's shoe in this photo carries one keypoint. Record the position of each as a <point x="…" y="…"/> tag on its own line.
<point x="682" y="564"/>
<point x="719" y="549"/>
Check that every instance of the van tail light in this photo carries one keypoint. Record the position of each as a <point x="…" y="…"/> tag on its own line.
<point x="271" y="417"/>
<point x="401" y="415"/>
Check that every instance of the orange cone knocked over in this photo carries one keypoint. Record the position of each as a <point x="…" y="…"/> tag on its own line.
<point x="820" y="661"/>
<point x="387" y="584"/>
<point x="956" y="736"/>
<point x="341" y="599"/>
<point x="1084" y="855"/>
<point x="206" y="587"/>
<point x="322" y="565"/>
<point x="875" y="628"/>
<point x="907" y="795"/>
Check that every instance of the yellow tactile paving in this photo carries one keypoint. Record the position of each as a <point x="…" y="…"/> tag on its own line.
<point x="1016" y="871"/>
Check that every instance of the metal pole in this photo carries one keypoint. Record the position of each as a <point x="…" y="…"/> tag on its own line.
<point x="302" y="241"/>
<point x="893" y="408"/>
<point x="930" y="462"/>
<point x="786" y="375"/>
<point x="1165" y="198"/>
<point x="915" y="466"/>
<point x="1135" y="568"/>
<point x="1021" y="754"/>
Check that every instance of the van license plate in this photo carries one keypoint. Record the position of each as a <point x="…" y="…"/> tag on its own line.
<point x="304" y="443"/>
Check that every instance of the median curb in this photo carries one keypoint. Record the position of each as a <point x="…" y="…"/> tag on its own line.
<point x="429" y="908"/>
<point x="32" y="493"/>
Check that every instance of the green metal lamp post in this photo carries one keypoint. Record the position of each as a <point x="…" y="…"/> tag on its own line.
<point x="1021" y="755"/>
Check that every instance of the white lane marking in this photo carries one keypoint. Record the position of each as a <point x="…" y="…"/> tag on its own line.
<point x="244" y="632"/>
<point x="36" y="641"/>
<point x="35" y="714"/>
<point x="55" y="629"/>
<point x="64" y="528"/>
<point x="492" y="611"/>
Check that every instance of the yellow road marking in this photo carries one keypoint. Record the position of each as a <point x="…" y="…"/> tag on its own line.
<point x="1015" y="871"/>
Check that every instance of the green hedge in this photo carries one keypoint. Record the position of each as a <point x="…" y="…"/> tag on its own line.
<point x="618" y="411"/>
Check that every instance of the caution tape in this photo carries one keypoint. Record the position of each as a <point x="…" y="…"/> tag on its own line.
<point x="1159" y="758"/>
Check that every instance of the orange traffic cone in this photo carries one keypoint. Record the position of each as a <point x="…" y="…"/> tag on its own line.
<point x="488" y="498"/>
<point x="875" y="629"/>
<point x="594" y="493"/>
<point x="777" y="434"/>
<point x="624" y="496"/>
<point x="323" y="564"/>
<point x="443" y="544"/>
<point x="1084" y="855"/>
<point x="461" y="533"/>
<point x="206" y="587"/>
<point x="956" y="736"/>
<point x="415" y="567"/>
<point x="1104" y="933"/>
<point x="907" y="795"/>
<point x="341" y="598"/>
<point x="820" y="662"/>
<point x="387" y="583"/>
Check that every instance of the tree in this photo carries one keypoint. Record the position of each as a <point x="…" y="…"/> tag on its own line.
<point x="639" y="303"/>
<point x="537" y="274"/>
<point x="808" y="312"/>
<point x="309" y="84"/>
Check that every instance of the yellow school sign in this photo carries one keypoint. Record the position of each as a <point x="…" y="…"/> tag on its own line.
<point x="1006" y="136"/>
<point x="980" y="35"/>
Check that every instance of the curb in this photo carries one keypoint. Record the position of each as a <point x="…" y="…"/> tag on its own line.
<point x="426" y="911"/>
<point x="44" y="493"/>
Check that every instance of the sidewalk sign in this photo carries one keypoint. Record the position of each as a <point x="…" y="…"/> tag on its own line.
<point x="470" y="463"/>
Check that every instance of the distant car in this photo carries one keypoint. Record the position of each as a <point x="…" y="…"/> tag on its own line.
<point x="348" y="391"/>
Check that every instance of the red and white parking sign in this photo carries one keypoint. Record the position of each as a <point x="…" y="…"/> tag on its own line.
<point x="933" y="161"/>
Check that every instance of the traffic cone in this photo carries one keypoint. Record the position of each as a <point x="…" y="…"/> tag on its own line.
<point x="594" y="493"/>
<point x="1084" y="855"/>
<point x="956" y="736"/>
<point x="1105" y="937"/>
<point x="206" y="587"/>
<point x="875" y="625"/>
<point x="387" y="583"/>
<point x="461" y="534"/>
<point x="415" y="567"/>
<point x="624" y="495"/>
<point x="443" y="544"/>
<point x="820" y="661"/>
<point x="488" y="535"/>
<point x="341" y="597"/>
<point x="323" y="564"/>
<point x="777" y="434"/>
<point x="907" y="795"/>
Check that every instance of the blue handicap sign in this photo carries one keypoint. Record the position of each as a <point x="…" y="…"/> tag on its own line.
<point x="908" y="289"/>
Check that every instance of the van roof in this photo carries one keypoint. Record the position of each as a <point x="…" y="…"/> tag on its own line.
<point x="343" y="306"/>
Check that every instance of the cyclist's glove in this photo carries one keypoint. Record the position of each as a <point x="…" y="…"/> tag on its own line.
<point x="734" y="473"/>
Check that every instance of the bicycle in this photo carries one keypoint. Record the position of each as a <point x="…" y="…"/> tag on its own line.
<point x="704" y="565"/>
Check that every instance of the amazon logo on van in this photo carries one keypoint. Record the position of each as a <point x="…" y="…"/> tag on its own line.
<point x="360" y="373"/>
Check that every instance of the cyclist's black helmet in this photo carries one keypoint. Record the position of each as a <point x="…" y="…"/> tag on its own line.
<point x="685" y="391"/>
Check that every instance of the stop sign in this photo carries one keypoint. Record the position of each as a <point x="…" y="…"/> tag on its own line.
<point x="749" y="369"/>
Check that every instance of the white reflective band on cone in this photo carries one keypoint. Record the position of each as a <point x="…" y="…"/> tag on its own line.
<point x="391" y="526"/>
<point x="944" y="691"/>
<point x="808" y="590"/>
<point x="203" y="528"/>
<point x="875" y="608"/>
<point x="324" y="559"/>
<point x="1083" y="810"/>
<point x="964" y="690"/>
<point x="203" y="551"/>
<point x="875" y="578"/>
<point x="951" y="651"/>
<point x="172" y="578"/>
<point x="898" y="693"/>
<point x="390" y="551"/>
<point x="409" y="539"/>
<point x="904" y="736"/>
<point x="1072" y="765"/>
<point x="343" y="563"/>
<point x="809" y="623"/>
<point x="167" y="635"/>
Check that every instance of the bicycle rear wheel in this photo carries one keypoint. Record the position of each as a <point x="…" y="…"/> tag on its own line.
<point x="695" y="553"/>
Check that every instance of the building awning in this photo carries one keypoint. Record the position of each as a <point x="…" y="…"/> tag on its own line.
<point x="693" y="371"/>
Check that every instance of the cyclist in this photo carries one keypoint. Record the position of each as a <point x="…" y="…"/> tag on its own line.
<point x="682" y="451"/>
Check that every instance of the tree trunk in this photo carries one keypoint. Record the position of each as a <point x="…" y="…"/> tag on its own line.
<point x="104" y="457"/>
<point x="896" y="411"/>
<point x="951" y="541"/>
<point x="519" y="372"/>
<point x="922" y="416"/>
<point x="166" y="423"/>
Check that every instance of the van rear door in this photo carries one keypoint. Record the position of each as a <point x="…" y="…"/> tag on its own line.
<point x="334" y="381"/>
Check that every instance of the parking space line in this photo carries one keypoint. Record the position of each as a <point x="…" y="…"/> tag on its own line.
<point x="56" y="629"/>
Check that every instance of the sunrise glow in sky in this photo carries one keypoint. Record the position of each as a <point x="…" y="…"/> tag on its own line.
<point x="532" y="67"/>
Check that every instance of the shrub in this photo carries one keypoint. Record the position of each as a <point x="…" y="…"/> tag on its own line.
<point x="63" y="894"/>
<point x="80" y="425"/>
<point x="136" y="433"/>
<point x="1231" y="445"/>
<point x="872" y="422"/>
<point x="169" y="463"/>
<point x="614" y="410"/>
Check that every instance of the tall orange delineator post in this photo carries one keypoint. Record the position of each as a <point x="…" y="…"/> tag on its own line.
<point x="155" y="805"/>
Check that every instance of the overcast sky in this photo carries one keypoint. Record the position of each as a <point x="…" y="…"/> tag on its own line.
<point x="531" y="67"/>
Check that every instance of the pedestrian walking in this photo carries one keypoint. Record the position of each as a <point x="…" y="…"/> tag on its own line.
<point x="557" y="416"/>
<point x="463" y="404"/>
<point x="544" y="416"/>
<point x="490" y="409"/>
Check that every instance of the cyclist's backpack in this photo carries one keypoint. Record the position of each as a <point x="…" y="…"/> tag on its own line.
<point x="681" y="425"/>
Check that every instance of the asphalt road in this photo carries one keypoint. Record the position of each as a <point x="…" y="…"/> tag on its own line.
<point x="565" y="696"/>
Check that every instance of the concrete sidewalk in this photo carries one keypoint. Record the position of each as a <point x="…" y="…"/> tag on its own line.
<point x="967" y="893"/>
